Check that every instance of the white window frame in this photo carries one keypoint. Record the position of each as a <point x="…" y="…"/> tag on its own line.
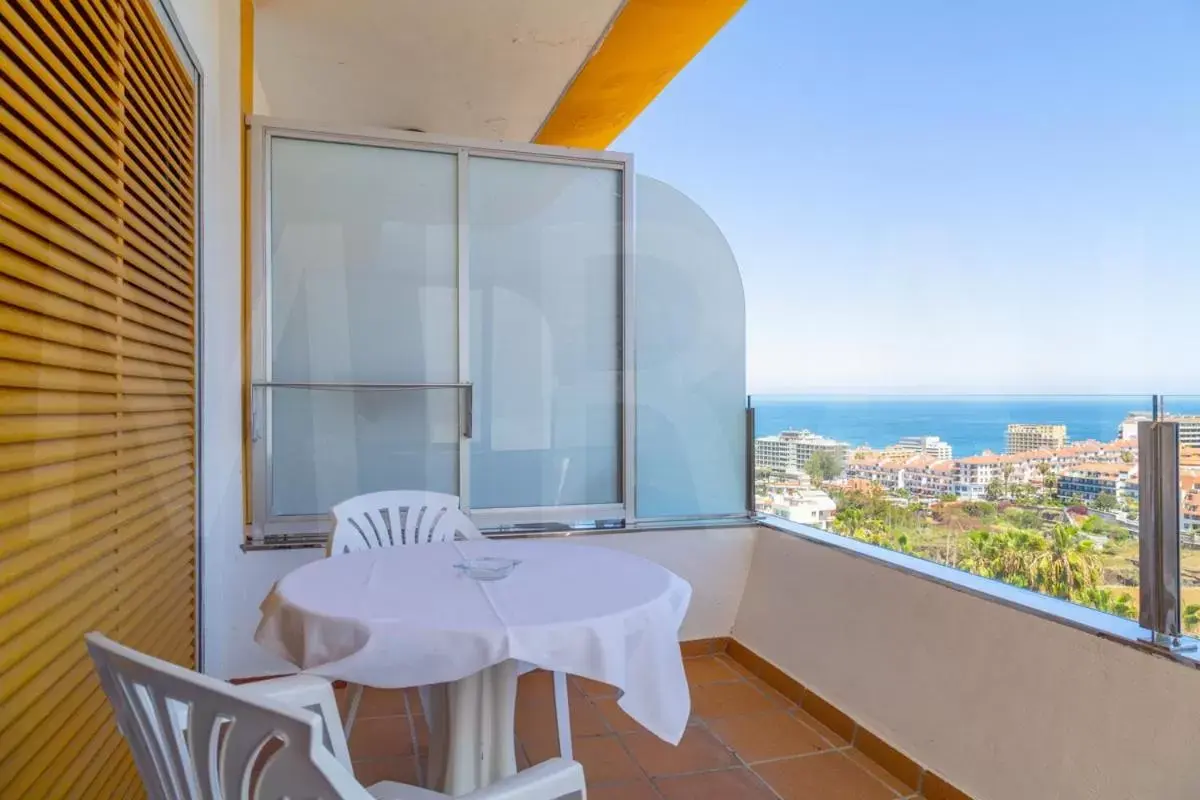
<point x="261" y="132"/>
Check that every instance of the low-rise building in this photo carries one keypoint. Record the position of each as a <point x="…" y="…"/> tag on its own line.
<point x="922" y="446"/>
<point x="1089" y="481"/>
<point x="807" y="507"/>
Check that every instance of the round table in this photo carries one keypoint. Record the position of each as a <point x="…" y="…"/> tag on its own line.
<point x="404" y="616"/>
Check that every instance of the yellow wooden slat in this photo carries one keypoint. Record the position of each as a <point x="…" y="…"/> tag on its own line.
<point x="40" y="302"/>
<point x="143" y="112"/>
<point x="137" y="368"/>
<point x="34" y="585"/>
<point x="33" y="428"/>
<point x="45" y="329"/>
<point x="176" y="337"/>
<point x="109" y="772"/>
<point x="77" y="685"/>
<point x="156" y="386"/>
<point x="149" y="277"/>
<point x="61" y="210"/>
<point x="148" y="171"/>
<point x="40" y="401"/>
<point x="47" y="178"/>
<point x="16" y="210"/>
<point x="154" y="243"/>
<point x="52" y="605"/>
<point x="78" y="307"/>
<point x="24" y="41"/>
<point x="63" y="474"/>
<point x="170" y="267"/>
<point x="25" y="510"/>
<point x="46" y="546"/>
<point x="90" y="35"/>
<point x="142" y="352"/>
<point x="84" y="520"/>
<point x="97" y="376"/>
<point x="19" y="374"/>
<point x="171" y="224"/>
<point x="37" y="106"/>
<point x="43" y="549"/>
<point x="162" y="311"/>
<point x="37" y="252"/>
<point x="35" y="351"/>
<point x="96" y="77"/>
<point x="142" y="28"/>
<point x="66" y="165"/>
<point x="35" y="776"/>
<point x="100" y="22"/>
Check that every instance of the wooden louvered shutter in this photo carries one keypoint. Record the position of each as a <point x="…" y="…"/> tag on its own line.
<point x="97" y="377"/>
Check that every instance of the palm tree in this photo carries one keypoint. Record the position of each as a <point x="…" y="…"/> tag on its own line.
<point x="1069" y="566"/>
<point x="1104" y="600"/>
<point x="1007" y="471"/>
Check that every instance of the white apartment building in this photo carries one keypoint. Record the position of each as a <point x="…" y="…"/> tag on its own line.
<point x="789" y="451"/>
<point x="924" y="476"/>
<point x="807" y="507"/>
<point x="922" y="446"/>
<point x="1023" y="436"/>
<point x="1189" y="427"/>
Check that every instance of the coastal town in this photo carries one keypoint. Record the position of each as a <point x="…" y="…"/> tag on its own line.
<point x="1002" y="515"/>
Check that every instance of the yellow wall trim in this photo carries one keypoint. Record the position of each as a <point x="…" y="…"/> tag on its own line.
<point x="649" y="42"/>
<point x="246" y="84"/>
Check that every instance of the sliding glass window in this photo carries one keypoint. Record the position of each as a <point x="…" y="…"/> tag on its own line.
<point x="439" y="317"/>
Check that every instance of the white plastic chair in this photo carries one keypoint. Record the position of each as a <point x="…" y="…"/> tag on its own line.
<point x="198" y="738"/>
<point x="400" y="518"/>
<point x="397" y="519"/>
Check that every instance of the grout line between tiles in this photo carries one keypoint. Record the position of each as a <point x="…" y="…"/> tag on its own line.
<point x="412" y="735"/>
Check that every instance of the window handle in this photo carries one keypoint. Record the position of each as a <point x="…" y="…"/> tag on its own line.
<point x="469" y="411"/>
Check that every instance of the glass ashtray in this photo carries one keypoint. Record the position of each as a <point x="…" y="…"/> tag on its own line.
<point x="487" y="568"/>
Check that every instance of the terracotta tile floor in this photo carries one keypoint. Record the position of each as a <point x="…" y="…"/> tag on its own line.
<point x="744" y="741"/>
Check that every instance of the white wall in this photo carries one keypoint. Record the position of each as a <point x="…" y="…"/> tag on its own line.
<point x="212" y="29"/>
<point x="1002" y="703"/>
<point x="714" y="560"/>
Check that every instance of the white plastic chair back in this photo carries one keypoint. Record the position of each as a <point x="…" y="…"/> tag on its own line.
<point x="198" y="738"/>
<point x="398" y="519"/>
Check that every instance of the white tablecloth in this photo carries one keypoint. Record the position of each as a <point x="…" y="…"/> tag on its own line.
<point x="403" y="616"/>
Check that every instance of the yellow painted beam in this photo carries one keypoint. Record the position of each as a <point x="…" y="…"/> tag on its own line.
<point x="246" y="85"/>
<point x="647" y="45"/>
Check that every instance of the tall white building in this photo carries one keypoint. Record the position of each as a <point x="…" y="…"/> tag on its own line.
<point x="1189" y="427"/>
<point x="789" y="451"/>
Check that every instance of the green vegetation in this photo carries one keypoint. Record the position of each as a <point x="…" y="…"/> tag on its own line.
<point x="1030" y="547"/>
<point x="1105" y="501"/>
<point x="822" y="466"/>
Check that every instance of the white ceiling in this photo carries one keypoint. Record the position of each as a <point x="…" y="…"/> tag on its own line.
<point x="481" y="68"/>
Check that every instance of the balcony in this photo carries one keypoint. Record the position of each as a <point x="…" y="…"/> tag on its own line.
<point x="437" y="276"/>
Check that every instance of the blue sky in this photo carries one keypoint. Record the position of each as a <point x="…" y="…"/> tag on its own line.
<point x="930" y="196"/>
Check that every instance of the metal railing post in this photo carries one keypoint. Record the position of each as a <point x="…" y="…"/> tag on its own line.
<point x="1158" y="532"/>
<point x="750" y="474"/>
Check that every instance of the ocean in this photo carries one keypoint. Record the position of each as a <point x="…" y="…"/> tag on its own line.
<point x="971" y="424"/>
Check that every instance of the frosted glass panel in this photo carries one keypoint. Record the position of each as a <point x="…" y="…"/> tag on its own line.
<point x="545" y="333"/>
<point x="330" y="445"/>
<point x="363" y="264"/>
<point x="691" y="361"/>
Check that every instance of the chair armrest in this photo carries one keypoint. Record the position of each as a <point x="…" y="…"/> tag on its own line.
<point x="315" y="694"/>
<point x="550" y="780"/>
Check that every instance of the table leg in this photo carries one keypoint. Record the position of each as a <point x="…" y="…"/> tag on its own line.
<point x="471" y="743"/>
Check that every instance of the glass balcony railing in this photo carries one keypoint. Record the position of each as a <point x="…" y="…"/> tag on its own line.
<point x="1037" y="492"/>
<point x="1185" y="411"/>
